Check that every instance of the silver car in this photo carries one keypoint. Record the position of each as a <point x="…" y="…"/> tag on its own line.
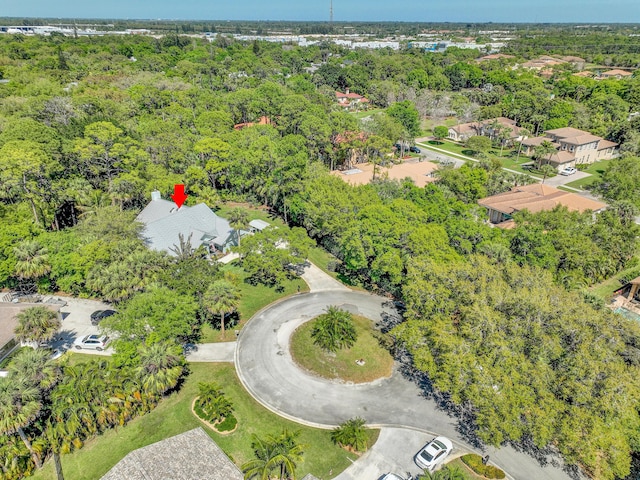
<point x="434" y="453"/>
<point x="92" y="342"/>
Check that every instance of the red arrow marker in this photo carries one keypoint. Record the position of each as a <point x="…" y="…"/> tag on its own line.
<point x="178" y="194"/>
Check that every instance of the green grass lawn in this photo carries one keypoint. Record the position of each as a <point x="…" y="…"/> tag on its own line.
<point x="173" y="416"/>
<point x="342" y="365"/>
<point x="365" y="113"/>
<point x="605" y="289"/>
<point x="596" y="170"/>
<point x="427" y="125"/>
<point x="252" y="299"/>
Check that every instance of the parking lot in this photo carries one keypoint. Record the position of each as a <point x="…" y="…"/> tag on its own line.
<point x="76" y="323"/>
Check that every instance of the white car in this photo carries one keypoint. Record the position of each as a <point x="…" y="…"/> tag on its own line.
<point x="568" y="171"/>
<point x="434" y="453"/>
<point x="391" y="476"/>
<point x="92" y="342"/>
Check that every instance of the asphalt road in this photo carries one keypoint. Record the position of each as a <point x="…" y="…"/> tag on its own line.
<point x="266" y="369"/>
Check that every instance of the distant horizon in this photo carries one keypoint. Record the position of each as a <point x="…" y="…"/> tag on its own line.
<point x="248" y="20"/>
<point x="406" y="11"/>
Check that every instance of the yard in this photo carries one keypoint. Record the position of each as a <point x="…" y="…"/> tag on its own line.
<point x="596" y="170"/>
<point x="173" y="416"/>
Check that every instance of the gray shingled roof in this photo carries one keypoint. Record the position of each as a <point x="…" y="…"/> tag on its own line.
<point x="189" y="456"/>
<point x="164" y="223"/>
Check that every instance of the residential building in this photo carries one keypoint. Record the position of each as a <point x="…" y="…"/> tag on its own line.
<point x="9" y="321"/>
<point x="574" y="147"/>
<point x="615" y="73"/>
<point x="419" y="172"/>
<point x="351" y="101"/>
<point x="192" y="455"/>
<point x="263" y="120"/>
<point x="535" y="198"/>
<point x="165" y="223"/>
<point x="487" y="128"/>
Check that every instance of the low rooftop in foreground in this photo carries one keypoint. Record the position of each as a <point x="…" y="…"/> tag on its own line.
<point x="192" y="455"/>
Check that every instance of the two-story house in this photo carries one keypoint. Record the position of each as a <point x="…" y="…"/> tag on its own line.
<point x="573" y="147"/>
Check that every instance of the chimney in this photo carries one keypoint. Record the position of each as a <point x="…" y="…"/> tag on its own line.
<point x="155" y="195"/>
<point x="347" y="91"/>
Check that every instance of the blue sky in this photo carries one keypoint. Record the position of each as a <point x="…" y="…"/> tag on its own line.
<point x="580" y="11"/>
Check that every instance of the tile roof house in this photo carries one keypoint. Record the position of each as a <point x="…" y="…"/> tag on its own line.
<point x="615" y="73"/>
<point x="263" y="120"/>
<point x="574" y="147"/>
<point x="199" y="225"/>
<point x="535" y="198"/>
<point x="463" y="131"/>
<point x="192" y="455"/>
<point x="351" y="100"/>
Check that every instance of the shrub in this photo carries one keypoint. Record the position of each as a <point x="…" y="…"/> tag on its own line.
<point x="474" y="462"/>
<point x="228" y="424"/>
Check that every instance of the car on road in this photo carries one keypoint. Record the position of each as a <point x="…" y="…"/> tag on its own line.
<point x="94" y="341"/>
<point x="414" y="149"/>
<point x="434" y="453"/>
<point x="568" y="171"/>
<point x="99" y="315"/>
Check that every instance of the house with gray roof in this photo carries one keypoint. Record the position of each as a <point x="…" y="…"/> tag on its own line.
<point x="164" y="223"/>
<point x="192" y="455"/>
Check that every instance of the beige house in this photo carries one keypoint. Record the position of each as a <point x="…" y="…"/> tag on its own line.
<point x="535" y="198"/>
<point x="574" y="147"/>
<point x="615" y="73"/>
<point x="487" y="128"/>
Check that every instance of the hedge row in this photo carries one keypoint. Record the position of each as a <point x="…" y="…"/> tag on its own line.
<point x="474" y="462"/>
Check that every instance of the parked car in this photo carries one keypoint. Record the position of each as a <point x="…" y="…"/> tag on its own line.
<point x="391" y="476"/>
<point x="434" y="453"/>
<point x="99" y="315"/>
<point x="414" y="149"/>
<point x="92" y="342"/>
<point x="568" y="171"/>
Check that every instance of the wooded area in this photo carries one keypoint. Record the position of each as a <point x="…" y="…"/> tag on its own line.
<point x="501" y="320"/>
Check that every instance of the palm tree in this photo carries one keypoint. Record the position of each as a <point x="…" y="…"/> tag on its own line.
<point x="547" y="170"/>
<point x="351" y="433"/>
<point x="221" y="297"/>
<point x="35" y="368"/>
<point x="160" y="367"/>
<point x="37" y="324"/>
<point x="32" y="262"/>
<point x="212" y="401"/>
<point x="448" y="472"/>
<point x="334" y="330"/>
<point x="238" y="219"/>
<point x="545" y="149"/>
<point x="523" y="132"/>
<point x="20" y="406"/>
<point x="277" y="455"/>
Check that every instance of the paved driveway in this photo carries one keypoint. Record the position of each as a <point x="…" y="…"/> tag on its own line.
<point x="564" y="179"/>
<point x="76" y="322"/>
<point x="266" y="369"/>
<point x="392" y="453"/>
